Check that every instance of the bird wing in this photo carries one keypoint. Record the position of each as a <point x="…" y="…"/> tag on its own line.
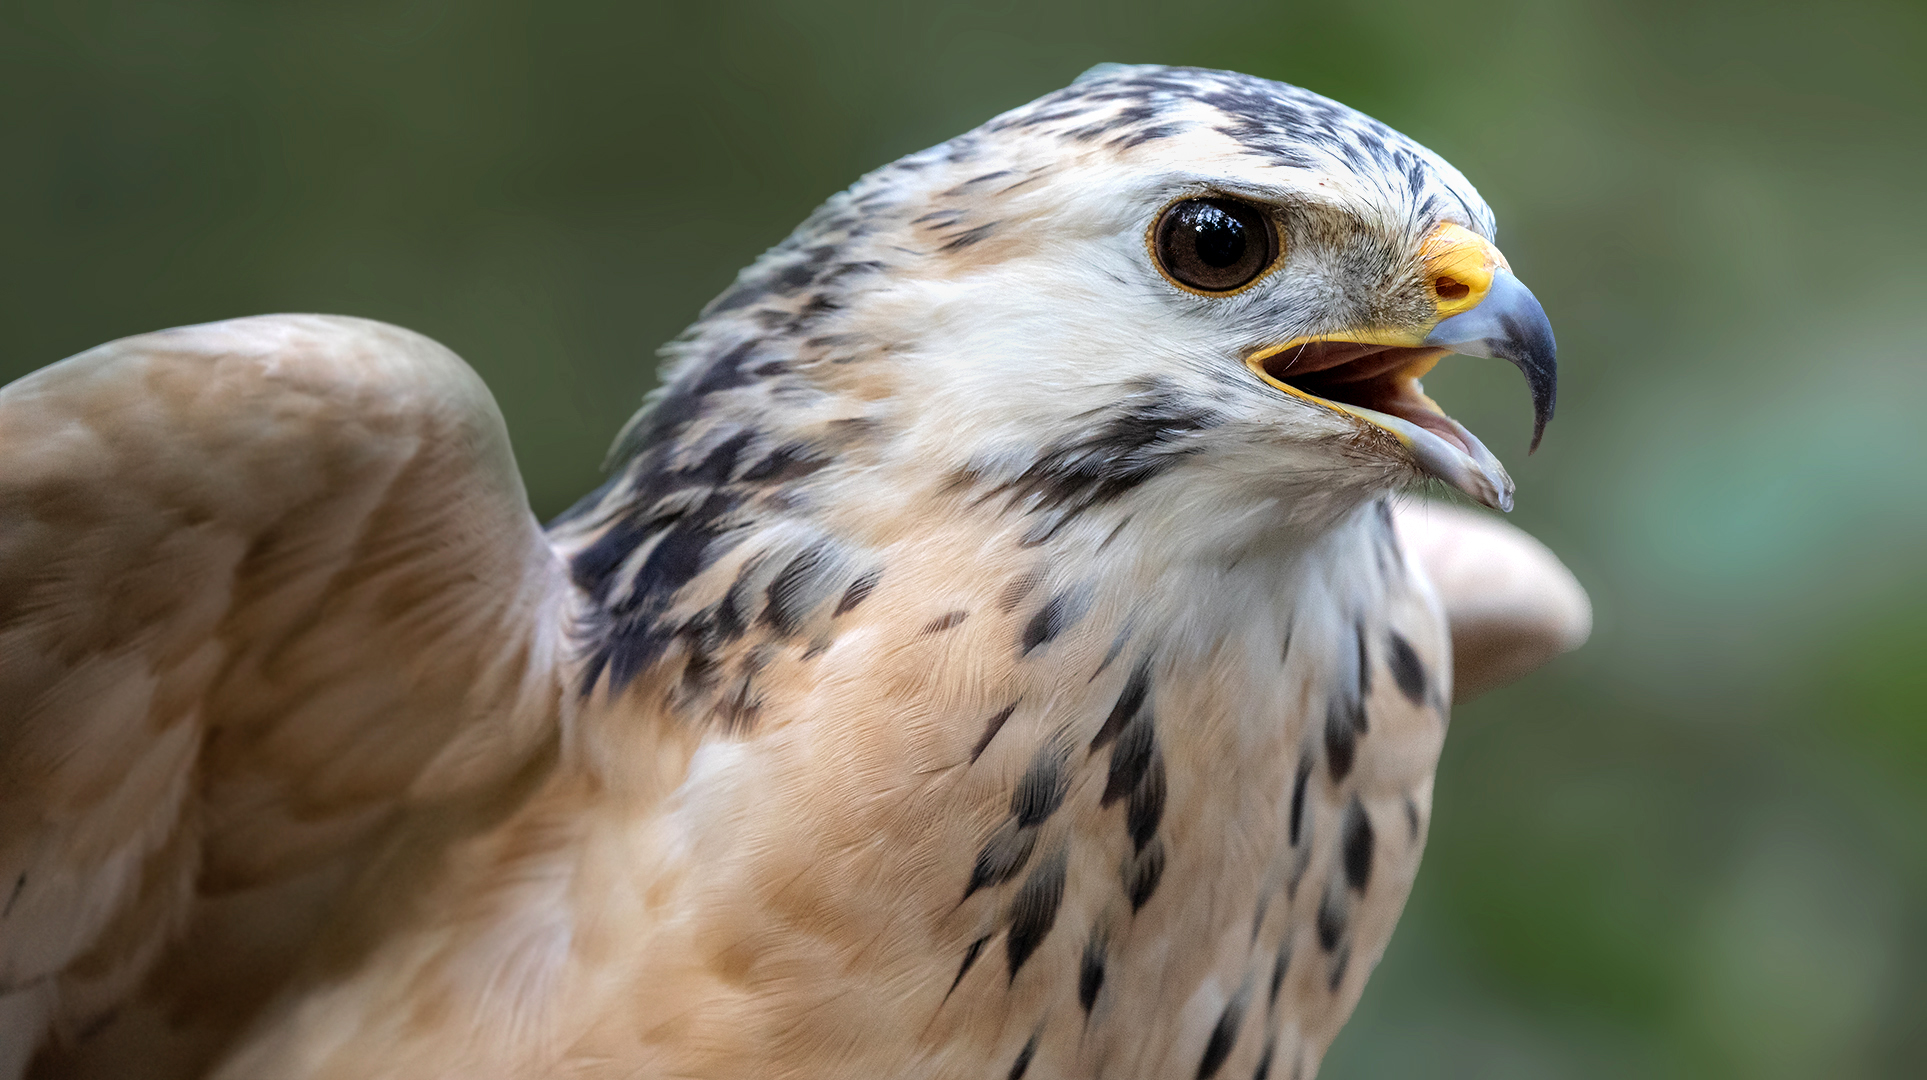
<point x="266" y="586"/>
<point x="1512" y="605"/>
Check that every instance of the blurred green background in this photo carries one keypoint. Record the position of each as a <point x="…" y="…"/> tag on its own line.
<point x="1698" y="848"/>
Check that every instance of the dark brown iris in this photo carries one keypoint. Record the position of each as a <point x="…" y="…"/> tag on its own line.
<point x="1215" y="245"/>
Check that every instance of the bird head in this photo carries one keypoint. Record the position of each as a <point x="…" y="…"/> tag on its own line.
<point x="1155" y="272"/>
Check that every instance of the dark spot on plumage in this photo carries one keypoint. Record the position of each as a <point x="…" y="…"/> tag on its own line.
<point x="797" y="588"/>
<point x="1362" y="661"/>
<point x="593" y="569"/>
<point x="1090" y="971"/>
<point x="940" y="219"/>
<point x="1143" y="873"/>
<point x="1263" y="1072"/>
<point x="1022" y="1065"/>
<point x="791" y="461"/>
<point x="1339" y="963"/>
<point x="1128" y="443"/>
<point x="714" y="469"/>
<point x="1040" y="791"/>
<point x="1284" y="651"/>
<point x="1298" y="786"/>
<point x="981" y="178"/>
<point x="1411" y="818"/>
<point x="970" y="236"/>
<point x="1258" y="915"/>
<point x="946" y="621"/>
<point x="1145" y="135"/>
<point x="1128" y="703"/>
<point x="1299" y="864"/>
<point x="628" y="631"/>
<point x="699" y="673"/>
<point x="1036" y="173"/>
<point x="1130" y="758"/>
<point x="1145" y="808"/>
<point x="13" y="895"/>
<point x="1117" y="646"/>
<point x="739" y="709"/>
<point x="1020" y="587"/>
<point x="1333" y="914"/>
<point x="1357" y="841"/>
<point x="1279" y="967"/>
<point x="971" y="953"/>
<point x="1003" y="855"/>
<point x="1344" y="722"/>
<point x="1224" y="1034"/>
<point x="1408" y="671"/>
<point x="732" y="611"/>
<point x="1057" y="614"/>
<point x="991" y="727"/>
<point x="1115" y="530"/>
<point x="858" y="591"/>
<point x="1033" y="910"/>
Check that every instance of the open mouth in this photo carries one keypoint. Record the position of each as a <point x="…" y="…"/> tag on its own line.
<point x="1379" y="384"/>
<point x="1372" y="375"/>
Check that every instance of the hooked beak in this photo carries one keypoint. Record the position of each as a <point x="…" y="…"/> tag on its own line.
<point x="1480" y="309"/>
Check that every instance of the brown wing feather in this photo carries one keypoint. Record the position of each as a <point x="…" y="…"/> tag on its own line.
<point x="265" y="585"/>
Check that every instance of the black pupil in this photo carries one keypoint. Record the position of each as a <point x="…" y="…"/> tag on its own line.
<point x="1220" y="237"/>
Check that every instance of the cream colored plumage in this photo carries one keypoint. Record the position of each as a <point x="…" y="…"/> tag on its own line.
<point x="979" y="663"/>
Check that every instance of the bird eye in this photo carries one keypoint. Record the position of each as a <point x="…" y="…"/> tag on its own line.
<point x="1215" y="245"/>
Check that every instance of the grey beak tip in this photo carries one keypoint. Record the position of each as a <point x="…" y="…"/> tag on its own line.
<point x="1509" y="324"/>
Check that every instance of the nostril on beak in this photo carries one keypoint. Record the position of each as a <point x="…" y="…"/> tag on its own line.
<point x="1450" y="288"/>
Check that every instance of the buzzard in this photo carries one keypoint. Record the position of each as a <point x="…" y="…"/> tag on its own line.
<point x="999" y="648"/>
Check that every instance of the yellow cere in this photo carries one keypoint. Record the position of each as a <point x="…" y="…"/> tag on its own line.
<point x="1460" y="263"/>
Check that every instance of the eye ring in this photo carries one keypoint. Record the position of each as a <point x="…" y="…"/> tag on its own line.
<point x="1213" y="245"/>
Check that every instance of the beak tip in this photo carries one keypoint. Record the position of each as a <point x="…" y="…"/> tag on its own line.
<point x="1510" y="324"/>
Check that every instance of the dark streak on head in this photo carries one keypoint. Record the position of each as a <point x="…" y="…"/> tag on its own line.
<point x="858" y="592"/>
<point x="943" y="622"/>
<point x="1132" y="441"/>
<point x="796" y="588"/>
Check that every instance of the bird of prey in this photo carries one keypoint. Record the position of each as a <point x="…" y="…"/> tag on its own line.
<point x="997" y="651"/>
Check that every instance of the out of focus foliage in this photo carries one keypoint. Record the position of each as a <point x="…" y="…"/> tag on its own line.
<point x="1696" y="849"/>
